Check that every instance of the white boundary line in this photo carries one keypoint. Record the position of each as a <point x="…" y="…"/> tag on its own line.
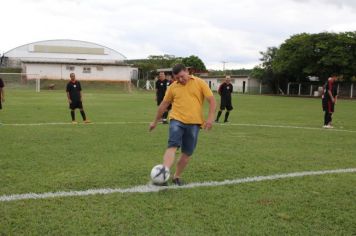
<point x="151" y="188"/>
<point x="143" y="122"/>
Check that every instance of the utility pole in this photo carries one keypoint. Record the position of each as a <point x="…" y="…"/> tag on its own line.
<point x="224" y="62"/>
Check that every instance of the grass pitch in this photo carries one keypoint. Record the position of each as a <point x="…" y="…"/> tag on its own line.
<point x="48" y="158"/>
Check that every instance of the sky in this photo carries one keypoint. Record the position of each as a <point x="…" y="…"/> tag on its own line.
<point x="234" y="31"/>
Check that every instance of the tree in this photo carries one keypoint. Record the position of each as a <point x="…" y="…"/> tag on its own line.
<point x="195" y="62"/>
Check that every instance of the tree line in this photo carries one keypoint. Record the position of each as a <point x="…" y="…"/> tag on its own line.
<point x="308" y="55"/>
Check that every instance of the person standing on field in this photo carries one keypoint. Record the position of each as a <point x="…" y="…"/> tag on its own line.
<point x="329" y="99"/>
<point x="2" y="92"/>
<point x="74" y="95"/>
<point x="187" y="95"/>
<point x="225" y="90"/>
<point x="161" y="87"/>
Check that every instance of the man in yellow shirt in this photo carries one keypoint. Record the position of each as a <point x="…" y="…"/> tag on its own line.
<point x="187" y="96"/>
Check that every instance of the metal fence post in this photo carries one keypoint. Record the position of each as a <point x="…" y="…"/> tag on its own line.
<point x="299" y="89"/>
<point x="311" y="90"/>
<point x="288" y="88"/>
<point x="260" y="87"/>
<point x="352" y="90"/>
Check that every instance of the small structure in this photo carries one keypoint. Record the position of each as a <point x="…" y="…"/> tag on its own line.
<point x="56" y="59"/>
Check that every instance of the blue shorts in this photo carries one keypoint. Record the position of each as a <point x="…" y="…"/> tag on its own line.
<point x="183" y="135"/>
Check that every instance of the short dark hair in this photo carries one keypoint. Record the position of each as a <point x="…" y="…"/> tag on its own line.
<point x="178" y="68"/>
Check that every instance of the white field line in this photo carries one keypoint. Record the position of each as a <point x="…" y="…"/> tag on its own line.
<point x="145" y="122"/>
<point x="151" y="188"/>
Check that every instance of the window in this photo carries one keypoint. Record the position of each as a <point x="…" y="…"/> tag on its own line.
<point x="86" y="70"/>
<point x="71" y="68"/>
<point x="99" y="68"/>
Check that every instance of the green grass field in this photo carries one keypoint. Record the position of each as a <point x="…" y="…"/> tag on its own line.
<point x="51" y="158"/>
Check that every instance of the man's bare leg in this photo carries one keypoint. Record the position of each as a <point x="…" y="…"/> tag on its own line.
<point x="169" y="156"/>
<point x="182" y="163"/>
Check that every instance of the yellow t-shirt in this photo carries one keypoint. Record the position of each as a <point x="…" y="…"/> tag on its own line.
<point x="187" y="100"/>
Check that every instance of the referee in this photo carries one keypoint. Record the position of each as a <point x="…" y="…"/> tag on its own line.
<point x="74" y="95"/>
<point x="161" y="87"/>
<point x="225" y="91"/>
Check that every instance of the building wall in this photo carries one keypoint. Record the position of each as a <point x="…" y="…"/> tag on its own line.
<point x="62" y="71"/>
<point x="214" y="83"/>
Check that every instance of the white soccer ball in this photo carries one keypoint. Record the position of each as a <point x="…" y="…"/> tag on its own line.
<point x="159" y="174"/>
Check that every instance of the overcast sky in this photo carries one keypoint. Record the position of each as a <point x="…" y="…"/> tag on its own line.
<point x="221" y="30"/>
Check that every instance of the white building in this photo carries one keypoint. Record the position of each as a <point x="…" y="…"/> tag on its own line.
<point x="242" y="84"/>
<point x="56" y="59"/>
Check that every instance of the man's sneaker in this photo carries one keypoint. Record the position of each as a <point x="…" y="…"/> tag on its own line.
<point x="164" y="121"/>
<point x="161" y="185"/>
<point x="226" y="121"/>
<point x="177" y="181"/>
<point x="74" y="122"/>
<point x="87" y="121"/>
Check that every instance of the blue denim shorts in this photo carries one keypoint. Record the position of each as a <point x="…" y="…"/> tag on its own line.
<point x="183" y="135"/>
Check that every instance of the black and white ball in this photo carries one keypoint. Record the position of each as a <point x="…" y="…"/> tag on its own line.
<point x="159" y="174"/>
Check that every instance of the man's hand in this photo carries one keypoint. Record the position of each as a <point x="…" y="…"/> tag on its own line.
<point x="208" y="125"/>
<point x="153" y="126"/>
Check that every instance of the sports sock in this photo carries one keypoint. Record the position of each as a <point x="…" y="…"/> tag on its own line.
<point x="226" y="116"/>
<point x="72" y="114"/>
<point x="83" y="115"/>
<point x="326" y="118"/>
<point x="219" y="114"/>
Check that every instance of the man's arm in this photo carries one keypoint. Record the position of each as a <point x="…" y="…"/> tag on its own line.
<point x="161" y="109"/>
<point x="331" y="96"/>
<point x="211" y="115"/>
<point x="2" y="94"/>
<point x="69" y="100"/>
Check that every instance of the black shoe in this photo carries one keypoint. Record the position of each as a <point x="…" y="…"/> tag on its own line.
<point x="164" y="122"/>
<point x="161" y="185"/>
<point x="226" y="121"/>
<point x="177" y="181"/>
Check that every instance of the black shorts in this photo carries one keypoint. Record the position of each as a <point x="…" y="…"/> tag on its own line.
<point x="328" y="105"/>
<point x="0" y="105"/>
<point x="76" y="104"/>
<point x="225" y="103"/>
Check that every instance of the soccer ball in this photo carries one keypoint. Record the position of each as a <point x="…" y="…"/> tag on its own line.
<point x="159" y="174"/>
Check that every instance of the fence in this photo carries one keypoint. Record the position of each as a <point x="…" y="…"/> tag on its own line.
<point x="345" y="89"/>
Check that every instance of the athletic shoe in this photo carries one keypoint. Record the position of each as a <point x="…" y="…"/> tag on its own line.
<point x="87" y="121"/>
<point x="161" y="185"/>
<point x="177" y="181"/>
<point x="164" y="121"/>
<point x="329" y="127"/>
<point x="325" y="126"/>
<point x="74" y="122"/>
<point x="226" y="121"/>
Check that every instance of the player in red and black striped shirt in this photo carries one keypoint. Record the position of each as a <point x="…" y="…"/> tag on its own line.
<point x="329" y="98"/>
<point x="2" y="94"/>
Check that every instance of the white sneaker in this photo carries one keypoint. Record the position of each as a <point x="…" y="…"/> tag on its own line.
<point x="329" y="127"/>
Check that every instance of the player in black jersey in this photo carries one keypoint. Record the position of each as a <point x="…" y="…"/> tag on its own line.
<point x="161" y="87"/>
<point x="74" y="95"/>
<point x="225" y="91"/>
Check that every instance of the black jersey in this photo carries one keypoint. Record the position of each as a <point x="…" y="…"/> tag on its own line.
<point x="1" y="83"/>
<point x="74" y="88"/>
<point x="225" y="90"/>
<point x="161" y="87"/>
